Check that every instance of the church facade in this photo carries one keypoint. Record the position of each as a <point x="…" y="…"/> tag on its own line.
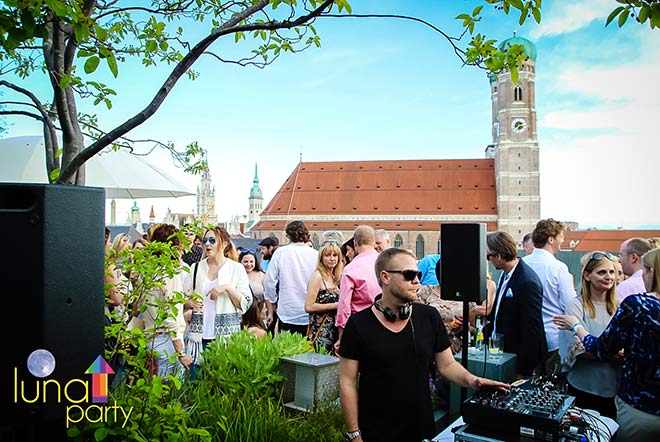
<point x="412" y="198"/>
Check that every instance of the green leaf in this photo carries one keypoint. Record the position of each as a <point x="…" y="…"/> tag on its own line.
<point x="100" y="433"/>
<point x="613" y="14"/>
<point x="644" y="13"/>
<point x="91" y="64"/>
<point x="59" y="152"/>
<point x="151" y="46"/>
<point x="537" y="15"/>
<point x="514" y="74"/>
<point x="517" y="4"/>
<point x="623" y="17"/>
<point x="523" y="17"/>
<point x="112" y="64"/>
<point x="477" y="10"/>
<point x="164" y="45"/>
<point x="54" y="175"/>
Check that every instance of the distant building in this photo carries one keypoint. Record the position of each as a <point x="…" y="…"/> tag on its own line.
<point x="412" y="198"/>
<point x="206" y="198"/>
<point x="135" y="214"/>
<point x="178" y="219"/>
<point x="256" y="201"/>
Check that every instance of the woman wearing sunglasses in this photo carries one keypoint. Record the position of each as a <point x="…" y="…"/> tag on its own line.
<point x="635" y="329"/>
<point x="256" y="276"/>
<point x="224" y="286"/>
<point x="591" y="381"/>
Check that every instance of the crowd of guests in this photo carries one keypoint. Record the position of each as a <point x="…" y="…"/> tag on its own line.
<point x="604" y="342"/>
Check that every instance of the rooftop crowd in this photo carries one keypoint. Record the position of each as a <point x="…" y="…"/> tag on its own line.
<point x="381" y="311"/>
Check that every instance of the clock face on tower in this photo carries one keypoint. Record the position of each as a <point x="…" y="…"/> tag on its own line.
<point x="518" y="125"/>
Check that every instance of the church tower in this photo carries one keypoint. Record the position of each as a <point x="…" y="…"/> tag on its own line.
<point x="256" y="200"/>
<point x="206" y="197"/>
<point x="515" y="146"/>
<point x="135" y="214"/>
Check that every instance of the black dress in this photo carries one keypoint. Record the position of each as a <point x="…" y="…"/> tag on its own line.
<point x="322" y="330"/>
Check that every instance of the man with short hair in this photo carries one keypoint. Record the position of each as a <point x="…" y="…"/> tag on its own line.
<point x="517" y="311"/>
<point x="391" y="346"/>
<point x="268" y="247"/>
<point x="382" y="241"/>
<point x="291" y="267"/>
<point x="528" y="245"/>
<point x="558" y="290"/>
<point x="358" y="286"/>
<point x="631" y="261"/>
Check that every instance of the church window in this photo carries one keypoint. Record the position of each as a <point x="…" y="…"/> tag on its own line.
<point x="398" y="241"/>
<point x="517" y="94"/>
<point x="419" y="246"/>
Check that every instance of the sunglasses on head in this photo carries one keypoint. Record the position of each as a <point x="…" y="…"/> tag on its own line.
<point x="601" y="255"/>
<point x="490" y="255"/>
<point x="408" y="275"/>
<point x="209" y="240"/>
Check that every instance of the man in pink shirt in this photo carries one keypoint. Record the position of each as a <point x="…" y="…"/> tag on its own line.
<point x="359" y="285"/>
<point x="631" y="262"/>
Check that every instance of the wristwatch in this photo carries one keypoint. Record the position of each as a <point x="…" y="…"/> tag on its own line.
<point x="352" y="435"/>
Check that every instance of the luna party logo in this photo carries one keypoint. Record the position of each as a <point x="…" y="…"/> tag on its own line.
<point x="84" y="402"/>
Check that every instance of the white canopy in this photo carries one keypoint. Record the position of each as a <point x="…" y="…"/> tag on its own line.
<point x="123" y="175"/>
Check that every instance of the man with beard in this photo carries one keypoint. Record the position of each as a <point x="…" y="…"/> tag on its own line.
<point x="393" y="346"/>
<point x="268" y="247"/>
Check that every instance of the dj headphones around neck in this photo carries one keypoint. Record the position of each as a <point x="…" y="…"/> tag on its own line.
<point x="391" y="315"/>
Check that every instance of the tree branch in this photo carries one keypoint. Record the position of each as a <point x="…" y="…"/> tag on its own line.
<point x="229" y="27"/>
<point x="50" y="132"/>
<point x="458" y="51"/>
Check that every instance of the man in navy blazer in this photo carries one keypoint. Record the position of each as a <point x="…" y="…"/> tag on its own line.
<point x="517" y="310"/>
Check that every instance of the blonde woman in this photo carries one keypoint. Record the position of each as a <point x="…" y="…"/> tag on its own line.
<point x="323" y="298"/>
<point x="592" y="382"/>
<point x="635" y="329"/>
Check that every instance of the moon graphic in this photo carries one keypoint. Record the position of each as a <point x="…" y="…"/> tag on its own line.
<point x="41" y="363"/>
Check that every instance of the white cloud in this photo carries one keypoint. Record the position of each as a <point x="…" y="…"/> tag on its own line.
<point x="567" y="16"/>
<point x="608" y="177"/>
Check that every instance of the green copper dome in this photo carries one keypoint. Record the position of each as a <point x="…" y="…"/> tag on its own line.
<point x="255" y="192"/>
<point x="530" y="49"/>
<point x="135" y="207"/>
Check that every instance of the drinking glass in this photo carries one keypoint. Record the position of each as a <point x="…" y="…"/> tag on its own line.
<point x="495" y="346"/>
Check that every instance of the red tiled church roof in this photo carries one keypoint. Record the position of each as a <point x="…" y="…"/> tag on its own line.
<point x="413" y="189"/>
<point x="604" y="240"/>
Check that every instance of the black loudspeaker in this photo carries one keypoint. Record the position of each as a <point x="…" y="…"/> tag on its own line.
<point x="463" y="262"/>
<point x="53" y="299"/>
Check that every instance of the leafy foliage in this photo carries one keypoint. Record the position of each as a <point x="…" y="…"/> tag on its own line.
<point x="70" y="42"/>
<point x="236" y="394"/>
<point x="641" y="10"/>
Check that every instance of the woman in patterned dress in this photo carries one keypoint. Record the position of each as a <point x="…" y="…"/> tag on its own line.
<point x="323" y="298"/>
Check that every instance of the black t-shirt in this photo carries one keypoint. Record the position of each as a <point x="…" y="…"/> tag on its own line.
<point x="394" y="399"/>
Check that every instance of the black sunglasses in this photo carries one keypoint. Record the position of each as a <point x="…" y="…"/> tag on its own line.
<point x="408" y="275"/>
<point x="490" y="255"/>
<point x="601" y="255"/>
<point x="210" y="240"/>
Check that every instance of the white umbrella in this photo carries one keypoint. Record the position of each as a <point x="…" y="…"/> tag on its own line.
<point x="123" y="175"/>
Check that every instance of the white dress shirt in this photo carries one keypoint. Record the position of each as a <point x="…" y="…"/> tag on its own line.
<point x="292" y="266"/>
<point x="557" y="290"/>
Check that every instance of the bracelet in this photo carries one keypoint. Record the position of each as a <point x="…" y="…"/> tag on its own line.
<point x="575" y="328"/>
<point x="352" y="435"/>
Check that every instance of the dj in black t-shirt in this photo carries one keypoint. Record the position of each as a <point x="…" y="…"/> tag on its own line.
<point x="392" y="346"/>
<point x="395" y="399"/>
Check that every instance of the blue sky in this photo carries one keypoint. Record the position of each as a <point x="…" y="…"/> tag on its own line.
<point x="390" y="89"/>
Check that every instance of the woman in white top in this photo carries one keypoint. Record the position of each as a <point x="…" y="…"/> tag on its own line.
<point x="256" y="276"/>
<point x="223" y="284"/>
<point x="591" y="381"/>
